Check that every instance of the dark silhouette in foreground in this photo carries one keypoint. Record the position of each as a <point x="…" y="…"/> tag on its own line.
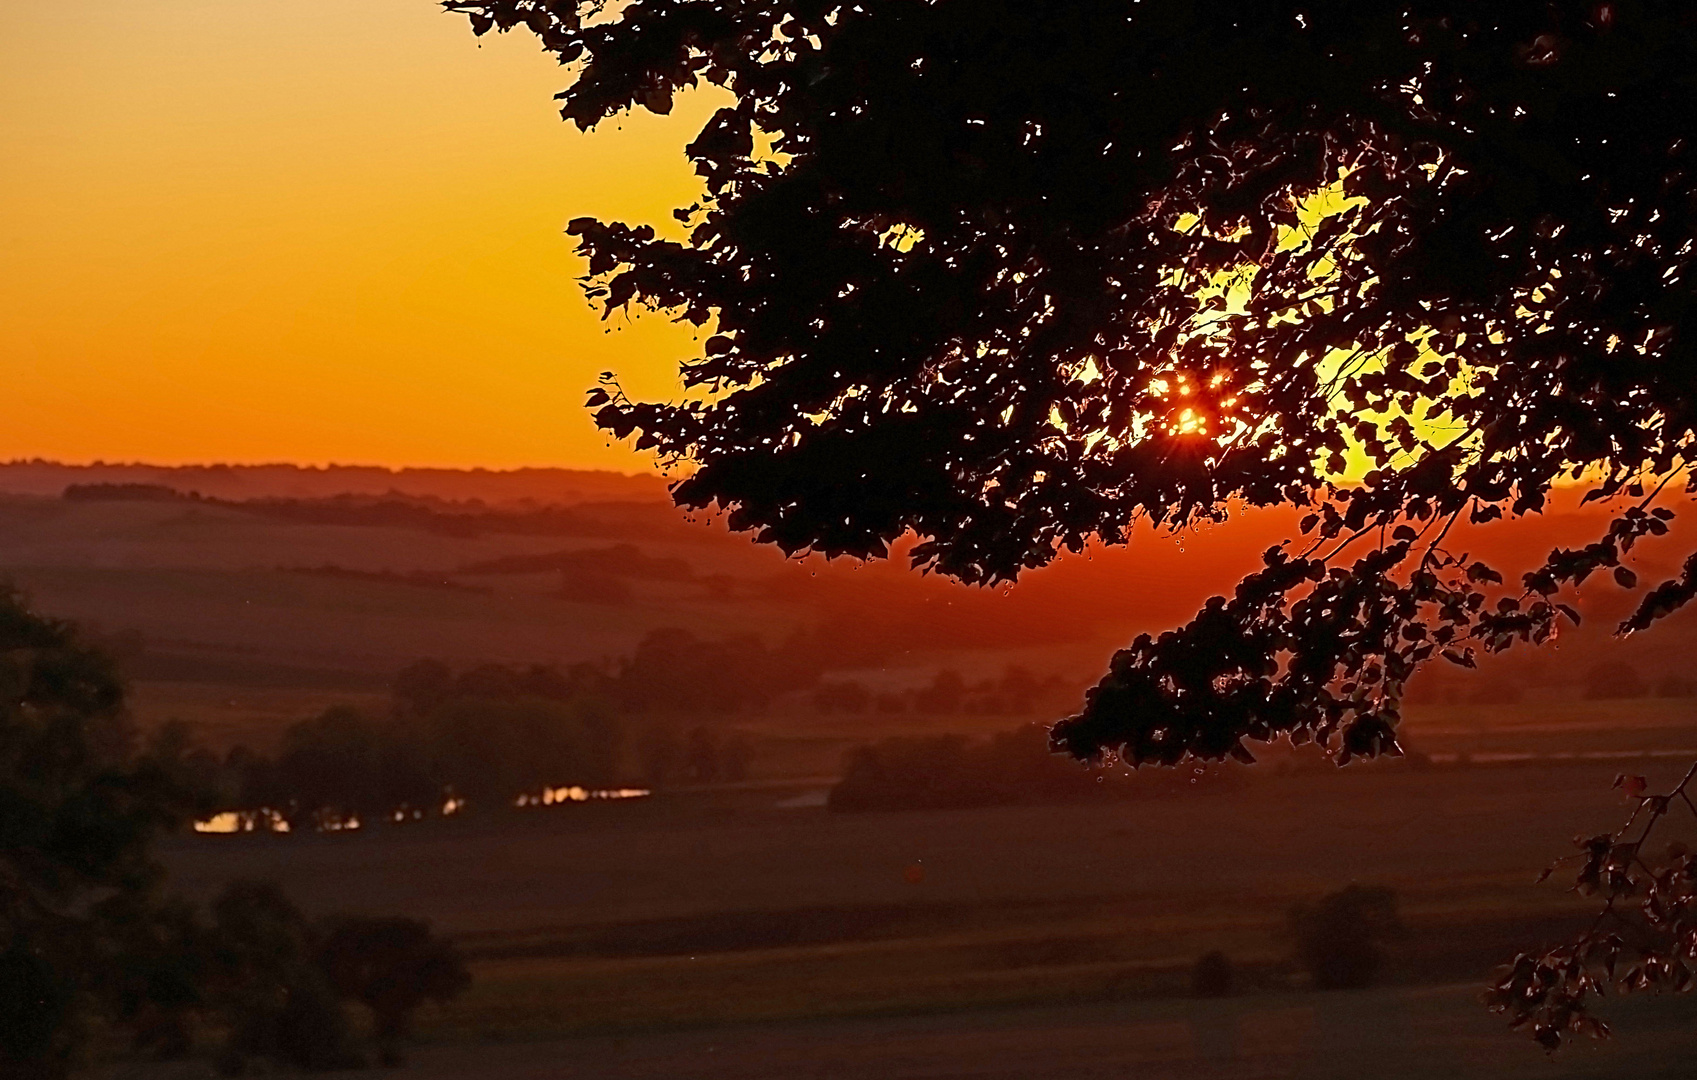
<point x="86" y="930"/>
<point x="279" y="981"/>
<point x="90" y="938"/>
<point x="1016" y="277"/>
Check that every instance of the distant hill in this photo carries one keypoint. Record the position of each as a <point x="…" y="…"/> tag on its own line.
<point x="302" y="577"/>
<point x="563" y="487"/>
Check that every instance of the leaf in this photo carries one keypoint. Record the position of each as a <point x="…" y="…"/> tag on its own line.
<point x="1625" y="578"/>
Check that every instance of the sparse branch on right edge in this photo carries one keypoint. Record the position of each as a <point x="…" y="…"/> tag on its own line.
<point x="1643" y="938"/>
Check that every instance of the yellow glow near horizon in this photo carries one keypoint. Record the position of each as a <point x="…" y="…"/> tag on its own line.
<point x="313" y="231"/>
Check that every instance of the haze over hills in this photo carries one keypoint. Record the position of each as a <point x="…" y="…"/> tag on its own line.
<point x="284" y="480"/>
<point x="321" y="581"/>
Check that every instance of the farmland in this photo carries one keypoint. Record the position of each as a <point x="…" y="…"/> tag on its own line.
<point x="721" y="930"/>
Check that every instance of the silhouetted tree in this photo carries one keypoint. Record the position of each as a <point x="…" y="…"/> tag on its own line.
<point x="391" y="966"/>
<point x="944" y="696"/>
<point x="1015" y="277"/>
<point x="673" y="670"/>
<point x="490" y="750"/>
<point x="1019" y="276"/>
<point x="1338" y="937"/>
<point x="274" y="997"/>
<point x="659" y="751"/>
<point x="850" y="696"/>
<point x="84" y="929"/>
<point x="1614" y="679"/>
<point x="701" y="756"/>
<point x="1019" y="688"/>
<point x="332" y="765"/>
<point x="1675" y="686"/>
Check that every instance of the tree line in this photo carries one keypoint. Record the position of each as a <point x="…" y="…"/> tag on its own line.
<point x="500" y="735"/>
<point x="1012" y="768"/>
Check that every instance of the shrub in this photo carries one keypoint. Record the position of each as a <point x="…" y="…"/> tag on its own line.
<point x="1614" y="679"/>
<point x="1212" y="976"/>
<point x="1338" y="936"/>
<point x="391" y="966"/>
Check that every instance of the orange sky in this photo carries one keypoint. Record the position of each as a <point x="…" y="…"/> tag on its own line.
<point x="250" y="230"/>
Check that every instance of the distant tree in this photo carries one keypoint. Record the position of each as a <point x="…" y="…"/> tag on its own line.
<point x="736" y="754"/>
<point x="332" y="765"/>
<point x="1020" y="689"/>
<point x="391" y="966"/>
<point x="944" y="696"/>
<point x="701" y="756"/>
<point x="1499" y="691"/>
<point x="84" y="927"/>
<point x="849" y="696"/>
<point x="546" y="681"/>
<point x="1212" y="976"/>
<point x="673" y="670"/>
<point x="491" y="750"/>
<point x="659" y="750"/>
<point x="1614" y="679"/>
<point x="491" y="682"/>
<point x="1339" y="937"/>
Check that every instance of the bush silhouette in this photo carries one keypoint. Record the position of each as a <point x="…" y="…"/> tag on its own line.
<point x="273" y="995"/>
<point x="1212" y="976"/>
<point x="1613" y="680"/>
<point x="1338" y="936"/>
<point x="391" y="966"/>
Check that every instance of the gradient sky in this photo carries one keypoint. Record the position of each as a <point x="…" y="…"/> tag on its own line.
<point x="313" y="230"/>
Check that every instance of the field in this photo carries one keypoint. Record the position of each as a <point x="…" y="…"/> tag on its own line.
<point x="727" y="912"/>
<point x="742" y="930"/>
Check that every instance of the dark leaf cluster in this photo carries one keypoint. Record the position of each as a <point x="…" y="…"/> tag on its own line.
<point x="1013" y="277"/>
<point x="1644" y="936"/>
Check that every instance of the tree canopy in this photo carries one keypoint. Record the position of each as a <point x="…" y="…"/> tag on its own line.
<point x="84" y="929"/>
<point x="1016" y="276"/>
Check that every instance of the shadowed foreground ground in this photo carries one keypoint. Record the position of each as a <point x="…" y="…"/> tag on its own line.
<point x="1393" y="1034"/>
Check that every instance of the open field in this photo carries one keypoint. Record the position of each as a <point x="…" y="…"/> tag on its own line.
<point x="744" y="931"/>
<point x="710" y="908"/>
<point x="1401" y="1033"/>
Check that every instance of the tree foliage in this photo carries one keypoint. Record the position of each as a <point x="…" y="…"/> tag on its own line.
<point x="1338" y="936"/>
<point x="1644" y="935"/>
<point x="1017" y="276"/>
<point x="85" y="933"/>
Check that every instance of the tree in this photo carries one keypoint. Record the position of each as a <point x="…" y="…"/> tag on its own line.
<point x="1614" y="679"/>
<point x="1338" y="936"/>
<point x="84" y="930"/>
<point x="275" y="998"/>
<point x="391" y="966"/>
<point x="1014" y="277"/>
